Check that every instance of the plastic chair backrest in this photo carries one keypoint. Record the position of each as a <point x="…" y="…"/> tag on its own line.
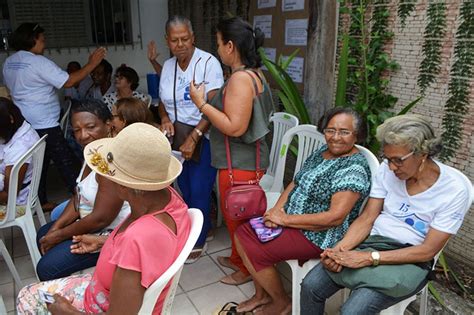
<point x="36" y="153"/>
<point x="148" y="100"/>
<point x="281" y="123"/>
<point x="309" y="140"/>
<point x="174" y="271"/>
<point x="65" y="119"/>
<point x="371" y="159"/>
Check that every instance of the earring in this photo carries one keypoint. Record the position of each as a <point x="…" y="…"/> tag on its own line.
<point x="422" y="166"/>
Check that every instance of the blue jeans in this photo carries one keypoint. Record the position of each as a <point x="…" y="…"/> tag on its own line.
<point x="317" y="286"/>
<point x="196" y="182"/>
<point x="56" y="213"/>
<point x="59" y="262"/>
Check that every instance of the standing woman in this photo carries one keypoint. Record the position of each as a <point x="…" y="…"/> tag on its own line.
<point x="33" y="80"/>
<point x="245" y="118"/>
<point x="187" y="64"/>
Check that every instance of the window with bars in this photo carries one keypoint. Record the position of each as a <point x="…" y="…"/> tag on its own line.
<point x="71" y="23"/>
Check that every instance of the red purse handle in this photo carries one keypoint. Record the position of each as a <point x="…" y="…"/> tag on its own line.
<point x="227" y="148"/>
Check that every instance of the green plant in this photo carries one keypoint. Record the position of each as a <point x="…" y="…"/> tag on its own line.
<point x="459" y="85"/>
<point x="368" y="64"/>
<point x="288" y="92"/>
<point x="405" y="8"/>
<point x="433" y="38"/>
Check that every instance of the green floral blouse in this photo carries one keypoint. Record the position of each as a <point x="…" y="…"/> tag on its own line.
<point x="315" y="184"/>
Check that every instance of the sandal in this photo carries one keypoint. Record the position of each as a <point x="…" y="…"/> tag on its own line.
<point x="230" y="308"/>
<point x="230" y="280"/>
<point x="195" y="254"/>
<point x="225" y="261"/>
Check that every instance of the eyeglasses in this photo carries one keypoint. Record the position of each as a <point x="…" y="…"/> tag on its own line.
<point x="396" y="161"/>
<point x="194" y="73"/>
<point x="332" y="132"/>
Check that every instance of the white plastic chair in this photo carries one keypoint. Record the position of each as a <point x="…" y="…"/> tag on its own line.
<point x="400" y="307"/>
<point x="11" y="266"/>
<point x="281" y="123"/>
<point x="64" y="122"/>
<point x="299" y="272"/>
<point x="148" y="100"/>
<point x="25" y="222"/>
<point x="309" y="140"/>
<point x="174" y="271"/>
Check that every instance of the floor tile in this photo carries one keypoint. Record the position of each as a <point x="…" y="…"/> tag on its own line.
<point x="179" y="290"/>
<point x="248" y="289"/>
<point x="183" y="306"/>
<point x="221" y="241"/>
<point x="225" y="252"/>
<point x="201" y="273"/>
<point x="5" y="275"/>
<point x="214" y="296"/>
<point x="8" y="295"/>
<point x="25" y="267"/>
<point x="19" y="247"/>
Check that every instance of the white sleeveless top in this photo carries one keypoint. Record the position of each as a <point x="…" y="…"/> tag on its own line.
<point x="87" y="191"/>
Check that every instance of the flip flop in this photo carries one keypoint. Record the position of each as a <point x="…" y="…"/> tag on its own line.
<point x="195" y="254"/>
<point x="230" y="308"/>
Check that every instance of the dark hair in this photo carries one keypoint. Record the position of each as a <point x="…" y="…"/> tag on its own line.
<point x="24" y="37"/>
<point x="246" y="39"/>
<point x="74" y="64"/>
<point x="360" y="126"/>
<point x="8" y="110"/>
<point x="93" y="106"/>
<point x="178" y="20"/>
<point x="107" y="66"/>
<point x="132" y="110"/>
<point x="130" y="74"/>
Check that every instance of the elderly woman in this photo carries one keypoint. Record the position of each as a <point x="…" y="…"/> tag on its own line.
<point x="415" y="205"/>
<point x="315" y="211"/>
<point x="240" y="113"/>
<point x="126" y="83"/>
<point x="92" y="209"/>
<point x="16" y="138"/>
<point x="139" y="163"/>
<point x="127" y="111"/>
<point x="178" y="112"/>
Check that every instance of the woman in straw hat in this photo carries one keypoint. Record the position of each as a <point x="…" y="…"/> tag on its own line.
<point x="138" y="160"/>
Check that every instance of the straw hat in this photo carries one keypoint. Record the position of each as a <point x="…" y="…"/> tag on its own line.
<point x="139" y="157"/>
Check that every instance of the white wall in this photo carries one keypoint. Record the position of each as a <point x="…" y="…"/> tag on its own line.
<point x="153" y="15"/>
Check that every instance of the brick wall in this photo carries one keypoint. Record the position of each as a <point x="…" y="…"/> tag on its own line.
<point x="406" y="49"/>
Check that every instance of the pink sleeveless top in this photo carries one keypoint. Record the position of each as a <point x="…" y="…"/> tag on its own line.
<point x="146" y="246"/>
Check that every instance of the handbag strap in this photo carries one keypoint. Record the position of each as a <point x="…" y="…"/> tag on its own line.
<point x="227" y="146"/>
<point x="174" y="90"/>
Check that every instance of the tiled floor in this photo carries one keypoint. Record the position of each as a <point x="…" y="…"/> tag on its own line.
<point x="199" y="291"/>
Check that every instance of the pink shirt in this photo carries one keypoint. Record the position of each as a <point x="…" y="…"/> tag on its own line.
<point x="146" y="246"/>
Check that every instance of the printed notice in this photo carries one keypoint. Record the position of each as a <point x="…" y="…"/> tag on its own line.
<point x="271" y="54"/>
<point x="295" y="69"/>
<point x="296" y="32"/>
<point x="264" y="22"/>
<point x="266" y="4"/>
<point x="292" y="5"/>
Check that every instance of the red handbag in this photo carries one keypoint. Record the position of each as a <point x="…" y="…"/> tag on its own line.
<point x="244" y="199"/>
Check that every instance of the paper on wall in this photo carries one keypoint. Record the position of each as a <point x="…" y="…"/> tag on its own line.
<point x="264" y="22"/>
<point x="296" y="32"/>
<point x="271" y="54"/>
<point x="266" y="4"/>
<point x="292" y="5"/>
<point x="295" y="69"/>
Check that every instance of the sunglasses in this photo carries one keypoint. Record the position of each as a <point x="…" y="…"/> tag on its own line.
<point x="194" y="73"/>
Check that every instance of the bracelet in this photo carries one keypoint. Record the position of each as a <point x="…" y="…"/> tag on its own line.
<point x="199" y="132"/>
<point x="202" y="105"/>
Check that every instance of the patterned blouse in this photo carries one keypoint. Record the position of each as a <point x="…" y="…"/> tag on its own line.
<point x="315" y="184"/>
<point x="111" y="98"/>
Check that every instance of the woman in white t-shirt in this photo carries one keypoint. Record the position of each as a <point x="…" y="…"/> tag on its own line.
<point x="93" y="209"/>
<point x="190" y="63"/>
<point x="416" y="203"/>
<point x="126" y="83"/>
<point x="16" y="138"/>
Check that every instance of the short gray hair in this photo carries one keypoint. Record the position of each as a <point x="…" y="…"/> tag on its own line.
<point x="178" y="20"/>
<point x="410" y="130"/>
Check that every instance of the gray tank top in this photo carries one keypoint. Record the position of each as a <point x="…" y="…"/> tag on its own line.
<point x="242" y="149"/>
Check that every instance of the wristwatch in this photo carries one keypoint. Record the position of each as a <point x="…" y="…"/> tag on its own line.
<point x="375" y="258"/>
<point x="199" y="132"/>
